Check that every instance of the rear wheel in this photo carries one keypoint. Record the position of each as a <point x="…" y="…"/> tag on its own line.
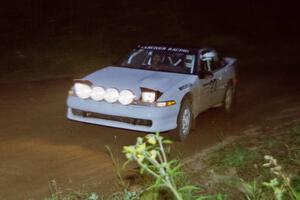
<point x="228" y="102"/>
<point x="184" y="121"/>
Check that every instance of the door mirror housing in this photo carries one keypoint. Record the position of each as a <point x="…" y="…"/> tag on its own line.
<point x="205" y="74"/>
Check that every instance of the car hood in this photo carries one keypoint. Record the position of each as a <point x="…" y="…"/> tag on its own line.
<point x="132" y="79"/>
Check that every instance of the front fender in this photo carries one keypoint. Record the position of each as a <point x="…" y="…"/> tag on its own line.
<point x="180" y="90"/>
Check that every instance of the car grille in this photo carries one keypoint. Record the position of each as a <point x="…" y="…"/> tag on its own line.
<point x="128" y="120"/>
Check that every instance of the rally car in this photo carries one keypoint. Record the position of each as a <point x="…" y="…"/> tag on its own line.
<point x="155" y="89"/>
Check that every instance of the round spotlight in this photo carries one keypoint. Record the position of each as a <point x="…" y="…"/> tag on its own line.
<point x="111" y="95"/>
<point x="82" y="90"/>
<point x="126" y="97"/>
<point x="97" y="93"/>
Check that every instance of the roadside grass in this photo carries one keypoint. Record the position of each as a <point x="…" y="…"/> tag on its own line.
<point x="256" y="167"/>
<point x="57" y="194"/>
<point x="235" y="155"/>
<point x="241" y="170"/>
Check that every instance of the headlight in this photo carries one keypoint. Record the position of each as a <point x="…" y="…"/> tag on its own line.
<point x="148" y="97"/>
<point x="82" y="90"/>
<point x="111" y="95"/>
<point x="126" y="97"/>
<point x="97" y="93"/>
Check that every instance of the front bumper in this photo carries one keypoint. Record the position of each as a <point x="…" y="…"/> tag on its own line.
<point x="134" y="117"/>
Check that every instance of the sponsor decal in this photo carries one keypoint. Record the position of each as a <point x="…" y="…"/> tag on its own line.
<point x="212" y="85"/>
<point x="188" y="85"/>
<point x="161" y="48"/>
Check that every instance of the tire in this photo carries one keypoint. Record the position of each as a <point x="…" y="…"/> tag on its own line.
<point x="229" y="99"/>
<point x="184" y="121"/>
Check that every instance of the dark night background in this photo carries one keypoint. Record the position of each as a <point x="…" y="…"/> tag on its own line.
<point x="62" y="38"/>
<point x="45" y="44"/>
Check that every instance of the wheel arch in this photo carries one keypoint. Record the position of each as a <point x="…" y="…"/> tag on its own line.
<point x="189" y="97"/>
<point x="232" y="83"/>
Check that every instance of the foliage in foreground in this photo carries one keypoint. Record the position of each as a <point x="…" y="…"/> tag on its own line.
<point x="281" y="184"/>
<point x="251" y="179"/>
<point x="167" y="182"/>
<point x="150" y="155"/>
<point x="56" y="194"/>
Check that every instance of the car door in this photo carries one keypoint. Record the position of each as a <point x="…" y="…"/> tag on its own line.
<point x="219" y="82"/>
<point x="202" y="91"/>
<point x="217" y="88"/>
<point x="203" y="88"/>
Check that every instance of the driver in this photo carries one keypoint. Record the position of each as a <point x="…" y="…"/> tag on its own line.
<point x="156" y="60"/>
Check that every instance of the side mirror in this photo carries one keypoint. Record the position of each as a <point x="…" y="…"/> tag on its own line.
<point x="205" y="74"/>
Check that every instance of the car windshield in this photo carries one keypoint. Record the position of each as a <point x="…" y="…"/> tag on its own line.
<point x="160" y="59"/>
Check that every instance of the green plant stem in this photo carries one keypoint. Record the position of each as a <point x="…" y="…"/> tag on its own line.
<point x="166" y="182"/>
<point x="165" y="159"/>
<point x="160" y="157"/>
<point x="177" y="195"/>
<point x="162" y="150"/>
<point x="286" y="181"/>
<point x="157" y="165"/>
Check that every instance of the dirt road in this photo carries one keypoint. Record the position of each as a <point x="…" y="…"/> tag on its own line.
<point x="38" y="144"/>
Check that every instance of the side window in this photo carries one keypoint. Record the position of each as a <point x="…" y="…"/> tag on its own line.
<point x="211" y="58"/>
<point x="202" y="65"/>
<point x="223" y="62"/>
<point x="206" y="65"/>
<point x="215" y="64"/>
<point x="218" y="63"/>
<point x="208" y="60"/>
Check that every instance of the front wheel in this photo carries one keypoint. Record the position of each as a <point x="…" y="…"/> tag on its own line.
<point x="184" y="121"/>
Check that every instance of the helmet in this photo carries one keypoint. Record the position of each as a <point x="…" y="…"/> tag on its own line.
<point x="209" y="55"/>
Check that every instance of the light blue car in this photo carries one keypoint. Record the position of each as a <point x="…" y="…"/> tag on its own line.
<point x="155" y="88"/>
